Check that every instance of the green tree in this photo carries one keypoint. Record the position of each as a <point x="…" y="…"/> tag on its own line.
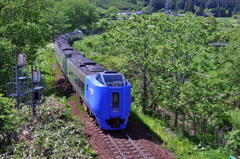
<point x="138" y="39"/>
<point x="6" y="116"/>
<point x="7" y="57"/>
<point x="103" y="24"/>
<point x="7" y="125"/>
<point x="200" y="11"/>
<point x="22" y="27"/>
<point x="113" y="9"/>
<point x="233" y="141"/>
<point x="190" y="37"/>
<point x="203" y="101"/>
<point x="81" y="14"/>
<point x="190" y="7"/>
<point x="186" y="7"/>
<point x="22" y="23"/>
<point x="56" y="18"/>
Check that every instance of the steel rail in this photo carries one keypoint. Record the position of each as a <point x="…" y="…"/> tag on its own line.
<point x="133" y="143"/>
<point x="118" y="148"/>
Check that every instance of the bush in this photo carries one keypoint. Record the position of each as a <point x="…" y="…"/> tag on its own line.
<point x="113" y="9"/>
<point x="233" y="141"/>
<point x="55" y="133"/>
<point x="6" y="117"/>
<point x="88" y="45"/>
<point x="6" y="122"/>
<point x="236" y="16"/>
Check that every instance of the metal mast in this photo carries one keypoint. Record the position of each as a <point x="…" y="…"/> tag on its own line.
<point x="167" y="6"/>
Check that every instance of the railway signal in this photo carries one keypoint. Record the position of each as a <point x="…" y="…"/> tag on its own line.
<point x="25" y="89"/>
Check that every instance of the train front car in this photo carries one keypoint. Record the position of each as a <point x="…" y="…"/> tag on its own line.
<point x="108" y="96"/>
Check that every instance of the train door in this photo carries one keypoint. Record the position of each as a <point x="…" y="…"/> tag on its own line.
<point x="115" y="103"/>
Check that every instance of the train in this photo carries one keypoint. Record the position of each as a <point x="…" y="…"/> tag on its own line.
<point x="105" y="94"/>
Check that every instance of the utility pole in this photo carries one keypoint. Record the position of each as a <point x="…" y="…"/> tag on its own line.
<point x="167" y="6"/>
<point x="151" y="7"/>
<point x="102" y="44"/>
<point x="92" y="33"/>
<point x="219" y="14"/>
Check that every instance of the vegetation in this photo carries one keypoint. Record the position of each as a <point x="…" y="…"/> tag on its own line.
<point x="175" y="5"/>
<point x="185" y="90"/>
<point x="29" y="25"/>
<point x="23" y="135"/>
<point x="55" y="132"/>
<point x="6" y="121"/>
<point x="122" y="5"/>
<point x="191" y="93"/>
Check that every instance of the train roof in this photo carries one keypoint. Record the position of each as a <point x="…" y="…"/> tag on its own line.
<point x="81" y="62"/>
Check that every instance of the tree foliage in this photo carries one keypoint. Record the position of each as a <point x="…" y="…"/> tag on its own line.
<point x="27" y="25"/>
<point x="22" y="27"/>
<point x="172" y="61"/>
<point x="233" y="141"/>
<point x="6" y="114"/>
<point x="113" y="9"/>
<point x="176" y="5"/>
<point x="7" y="119"/>
<point x="81" y="14"/>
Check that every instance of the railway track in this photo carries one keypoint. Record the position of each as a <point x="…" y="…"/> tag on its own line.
<point x="123" y="146"/>
<point x="119" y="141"/>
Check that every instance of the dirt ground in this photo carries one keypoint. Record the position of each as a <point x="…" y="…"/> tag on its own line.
<point x="98" y="144"/>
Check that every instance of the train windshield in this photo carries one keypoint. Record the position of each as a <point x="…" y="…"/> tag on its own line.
<point x="113" y="80"/>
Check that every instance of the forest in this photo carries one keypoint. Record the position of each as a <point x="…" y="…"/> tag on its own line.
<point x="185" y="90"/>
<point x="175" y="5"/>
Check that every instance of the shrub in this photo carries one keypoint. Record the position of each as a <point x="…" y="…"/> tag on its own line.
<point x="236" y="16"/>
<point x="6" y="111"/>
<point x="233" y="141"/>
<point x="6" y="121"/>
<point x="55" y="133"/>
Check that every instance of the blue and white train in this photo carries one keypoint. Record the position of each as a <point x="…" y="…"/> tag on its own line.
<point x="105" y="94"/>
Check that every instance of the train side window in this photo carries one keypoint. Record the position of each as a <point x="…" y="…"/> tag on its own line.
<point x="99" y="79"/>
<point x="82" y="86"/>
<point x="87" y="87"/>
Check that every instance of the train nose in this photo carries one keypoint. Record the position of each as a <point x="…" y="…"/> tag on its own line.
<point x="115" y="122"/>
<point x="115" y="103"/>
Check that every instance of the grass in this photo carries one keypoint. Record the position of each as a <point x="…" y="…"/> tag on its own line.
<point x="235" y="116"/>
<point x="228" y="21"/>
<point x="77" y="105"/>
<point x="44" y="62"/>
<point x="73" y="98"/>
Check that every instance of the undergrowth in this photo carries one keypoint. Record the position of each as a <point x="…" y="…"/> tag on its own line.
<point x="45" y="58"/>
<point x="54" y="133"/>
<point x="175" y="141"/>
